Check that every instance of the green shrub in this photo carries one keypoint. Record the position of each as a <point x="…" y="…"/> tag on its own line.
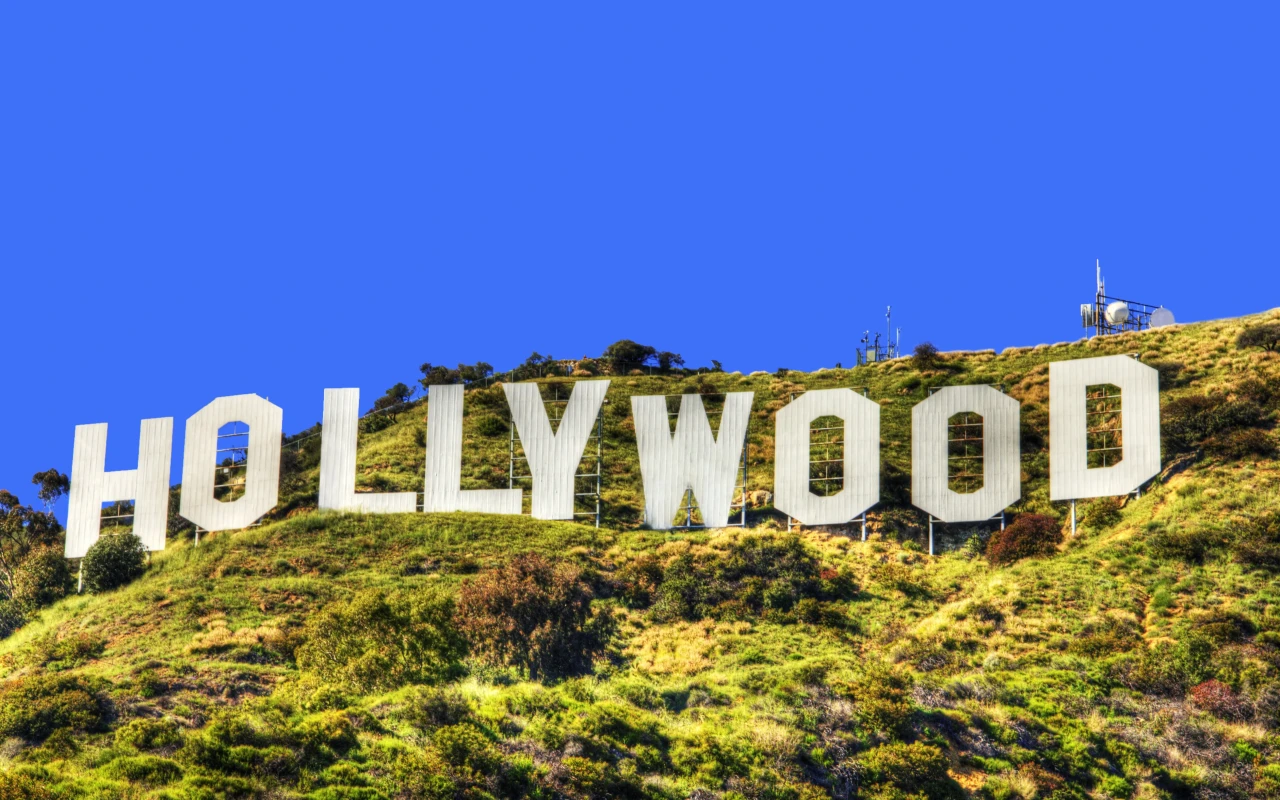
<point x="490" y="425"/>
<point x="12" y="617"/>
<point x="534" y="615"/>
<point x="1190" y="545"/>
<point x="1258" y="542"/>
<point x="41" y="578"/>
<point x="464" y="746"/>
<point x="378" y="642"/>
<point x="1241" y="443"/>
<point x="148" y="734"/>
<point x="149" y="770"/>
<point x="113" y="561"/>
<point x="1102" y="513"/>
<point x="38" y="705"/>
<point x="759" y="574"/>
<point x="1029" y="535"/>
<point x="23" y="786"/>
<point x="916" y="769"/>
<point x="1188" y="421"/>
<point x="437" y="707"/>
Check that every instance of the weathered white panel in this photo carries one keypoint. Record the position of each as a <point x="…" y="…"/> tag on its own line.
<point x="199" y="463"/>
<point x="1069" y="475"/>
<point x="1001" y="454"/>
<point x="554" y="456"/>
<point x="443" y="482"/>
<point x="339" y="431"/>
<point x="861" y="490"/>
<point x="92" y="485"/>
<point x="694" y="458"/>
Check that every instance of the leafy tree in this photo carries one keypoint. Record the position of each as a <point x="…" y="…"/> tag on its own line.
<point x="397" y="395"/>
<point x="379" y="642"/>
<point x="470" y="373"/>
<point x="113" y="561"/>
<point x="435" y="375"/>
<point x="1266" y="336"/>
<point x="53" y="484"/>
<point x="716" y="366"/>
<point x="627" y="355"/>
<point x="534" y="615"/>
<point x="667" y="359"/>
<point x="22" y="529"/>
<point x="925" y="356"/>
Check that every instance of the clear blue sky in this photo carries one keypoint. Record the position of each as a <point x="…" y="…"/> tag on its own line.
<point x="208" y="199"/>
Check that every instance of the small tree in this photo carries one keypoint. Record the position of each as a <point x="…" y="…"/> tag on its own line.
<point x="1029" y="535"/>
<point x="42" y="578"/>
<point x="925" y="356"/>
<point x="626" y="355"/>
<point x="397" y="395"/>
<point x="1266" y="336"/>
<point x="113" y="561"/>
<point x="53" y="484"/>
<point x="535" y="616"/>
<point x="667" y="359"/>
<point x="22" y="529"/>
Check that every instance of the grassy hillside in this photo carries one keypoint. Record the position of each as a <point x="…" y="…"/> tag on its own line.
<point x="1139" y="659"/>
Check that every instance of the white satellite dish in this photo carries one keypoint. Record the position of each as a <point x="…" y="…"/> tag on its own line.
<point x="1161" y="317"/>
<point x="1117" y="312"/>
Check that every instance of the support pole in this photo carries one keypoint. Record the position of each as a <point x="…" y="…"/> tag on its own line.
<point x="864" y="526"/>
<point x="80" y="579"/>
<point x="1073" y="518"/>
<point x="1001" y="520"/>
<point x="930" y="534"/>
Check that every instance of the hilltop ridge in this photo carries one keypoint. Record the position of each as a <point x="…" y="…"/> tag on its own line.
<point x="1140" y="658"/>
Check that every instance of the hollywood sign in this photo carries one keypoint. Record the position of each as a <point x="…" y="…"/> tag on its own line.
<point x="693" y="457"/>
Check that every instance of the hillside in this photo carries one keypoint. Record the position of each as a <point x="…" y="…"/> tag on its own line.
<point x="1139" y="659"/>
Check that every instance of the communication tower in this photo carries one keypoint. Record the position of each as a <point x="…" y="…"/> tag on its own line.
<point x="1109" y="315"/>
<point x="873" y="350"/>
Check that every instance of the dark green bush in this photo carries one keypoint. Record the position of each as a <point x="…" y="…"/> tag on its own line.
<point x="490" y="425"/>
<point x="1257" y="544"/>
<point x="1241" y="443"/>
<point x="377" y="641"/>
<point x="1191" y="545"/>
<point x="1029" y="535"/>
<point x="759" y="574"/>
<point x="12" y="617"/>
<point x="1101" y="513"/>
<point x="437" y="707"/>
<point x="1186" y="422"/>
<point x="41" y="578"/>
<point x="38" y="705"/>
<point x="113" y="561"/>
<point x="534" y="615"/>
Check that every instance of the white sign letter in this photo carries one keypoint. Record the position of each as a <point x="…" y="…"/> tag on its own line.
<point x="338" y="431"/>
<point x="200" y="463"/>
<point x="92" y="485"/>
<point x="443" y="481"/>
<point x="554" y="456"/>
<point x="692" y="459"/>
<point x="1001" y="454"/>
<point x="861" y="457"/>
<point x="1070" y="477"/>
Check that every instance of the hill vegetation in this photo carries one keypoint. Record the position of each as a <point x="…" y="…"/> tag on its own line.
<point x="459" y="655"/>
